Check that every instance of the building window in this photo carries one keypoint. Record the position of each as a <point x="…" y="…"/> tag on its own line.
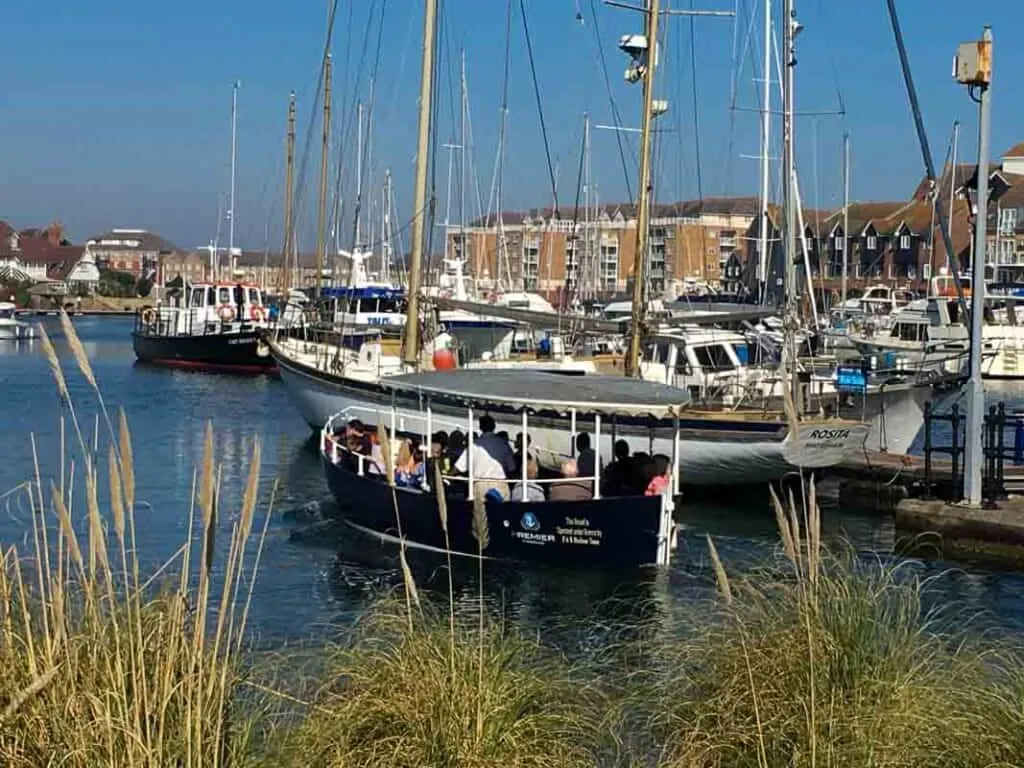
<point x="609" y="265"/>
<point x="905" y="242"/>
<point x="872" y="243"/>
<point x="531" y="264"/>
<point x="840" y="242"/>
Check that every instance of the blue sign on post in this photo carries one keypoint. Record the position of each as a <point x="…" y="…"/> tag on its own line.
<point x="851" y="379"/>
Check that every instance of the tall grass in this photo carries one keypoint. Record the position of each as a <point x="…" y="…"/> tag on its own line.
<point x="97" y="665"/>
<point x="833" y="662"/>
<point x="821" y="660"/>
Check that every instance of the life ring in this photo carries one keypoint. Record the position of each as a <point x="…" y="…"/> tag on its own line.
<point x="257" y="313"/>
<point x="149" y="316"/>
<point x="226" y="312"/>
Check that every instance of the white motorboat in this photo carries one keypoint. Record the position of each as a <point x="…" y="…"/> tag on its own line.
<point x="11" y="328"/>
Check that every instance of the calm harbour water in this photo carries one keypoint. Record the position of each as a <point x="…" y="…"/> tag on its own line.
<point x="316" y="579"/>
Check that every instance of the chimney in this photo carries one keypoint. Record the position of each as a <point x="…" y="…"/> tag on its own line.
<point x="55" y="233"/>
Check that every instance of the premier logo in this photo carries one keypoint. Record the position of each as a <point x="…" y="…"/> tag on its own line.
<point x="830" y="434"/>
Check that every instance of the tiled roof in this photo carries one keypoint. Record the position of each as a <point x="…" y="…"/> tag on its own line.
<point x="1017" y="150"/>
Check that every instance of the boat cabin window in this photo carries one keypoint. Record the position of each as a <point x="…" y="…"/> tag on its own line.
<point x="659" y="352"/>
<point x="254" y="296"/>
<point x="714" y="357"/>
<point x="197" y="297"/>
<point x="954" y="312"/>
<point x="6" y="313"/>
<point x="910" y="332"/>
<point x="683" y="367"/>
<point x="389" y="305"/>
<point x="224" y="295"/>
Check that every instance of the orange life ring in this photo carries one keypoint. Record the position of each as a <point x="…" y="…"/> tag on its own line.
<point x="226" y="312"/>
<point x="257" y="313"/>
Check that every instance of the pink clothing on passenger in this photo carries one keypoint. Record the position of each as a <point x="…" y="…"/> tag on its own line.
<point x="657" y="485"/>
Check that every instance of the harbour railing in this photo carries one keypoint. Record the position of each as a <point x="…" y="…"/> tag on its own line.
<point x="1002" y="442"/>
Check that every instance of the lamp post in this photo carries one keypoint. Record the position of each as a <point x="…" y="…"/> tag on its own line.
<point x="973" y="68"/>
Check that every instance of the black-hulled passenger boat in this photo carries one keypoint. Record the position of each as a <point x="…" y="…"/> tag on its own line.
<point x="207" y="327"/>
<point x="599" y="531"/>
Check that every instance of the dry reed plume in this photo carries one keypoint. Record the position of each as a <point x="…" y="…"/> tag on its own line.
<point x="98" y="666"/>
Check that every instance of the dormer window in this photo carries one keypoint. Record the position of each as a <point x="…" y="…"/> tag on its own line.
<point x="872" y="242"/>
<point x="14" y="241"/>
<point x="905" y="242"/>
<point x="840" y="242"/>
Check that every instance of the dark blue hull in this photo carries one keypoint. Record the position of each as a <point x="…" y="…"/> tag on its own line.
<point x="616" y="532"/>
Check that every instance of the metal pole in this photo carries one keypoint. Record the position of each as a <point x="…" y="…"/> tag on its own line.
<point x="231" y="212"/>
<point x="790" y="225"/>
<point x="289" y="204"/>
<point x="411" y="351"/>
<point x="846" y="219"/>
<point x="766" y="117"/>
<point x="976" y="393"/>
<point x="644" y="203"/>
<point x="321" y="217"/>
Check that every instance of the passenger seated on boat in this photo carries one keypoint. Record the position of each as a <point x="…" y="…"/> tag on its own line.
<point x="497" y="447"/>
<point x="438" y="457"/>
<point x="617" y="476"/>
<point x="569" y="490"/>
<point x="456" y="445"/>
<point x="658" y="483"/>
<point x="643" y="471"/>
<point x="586" y="459"/>
<point x="518" y="455"/>
<point x="531" y="491"/>
<point x="488" y="472"/>
<point x="408" y="468"/>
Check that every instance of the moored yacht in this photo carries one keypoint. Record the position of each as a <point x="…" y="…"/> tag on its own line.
<point x="11" y="328"/>
<point x="208" y="326"/>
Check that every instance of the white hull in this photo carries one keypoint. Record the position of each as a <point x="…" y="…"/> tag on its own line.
<point x="714" y="451"/>
<point x="1008" y="360"/>
<point x="13" y="330"/>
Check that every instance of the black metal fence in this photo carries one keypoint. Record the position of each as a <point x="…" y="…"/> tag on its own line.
<point x="946" y="480"/>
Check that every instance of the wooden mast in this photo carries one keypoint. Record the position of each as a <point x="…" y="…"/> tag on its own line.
<point x="644" y="202"/>
<point x="321" y="217"/>
<point x="410" y="350"/>
<point x="289" y="203"/>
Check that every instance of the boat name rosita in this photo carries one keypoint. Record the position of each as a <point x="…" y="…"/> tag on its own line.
<point x="830" y="434"/>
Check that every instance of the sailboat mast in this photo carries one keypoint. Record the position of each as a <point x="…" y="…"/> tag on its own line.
<point x="289" y="201"/>
<point x="766" y="123"/>
<point x="385" y="229"/>
<point x="632" y="367"/>
<point x="321" y="216"/>
<point x="359" y="174"/>
<point x="410" y="352"/>
<point x="846" y="219"/>
<point x="588" y="281"/>
<point x="463" y="121"/>
<point x="789" y="189"/>
<point x="234" y="146"/>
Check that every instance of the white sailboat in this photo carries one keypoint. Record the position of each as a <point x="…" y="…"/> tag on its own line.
<point x="720" y="447"/>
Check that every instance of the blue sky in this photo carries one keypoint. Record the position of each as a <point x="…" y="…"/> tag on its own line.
<point x="116" y="112"/>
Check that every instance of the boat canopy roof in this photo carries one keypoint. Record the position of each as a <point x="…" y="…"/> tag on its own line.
<point x="545" y="392"/>
<point x="363" y="292"/>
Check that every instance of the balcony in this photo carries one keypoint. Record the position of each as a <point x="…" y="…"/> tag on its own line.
<point x="727" y="242"/>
